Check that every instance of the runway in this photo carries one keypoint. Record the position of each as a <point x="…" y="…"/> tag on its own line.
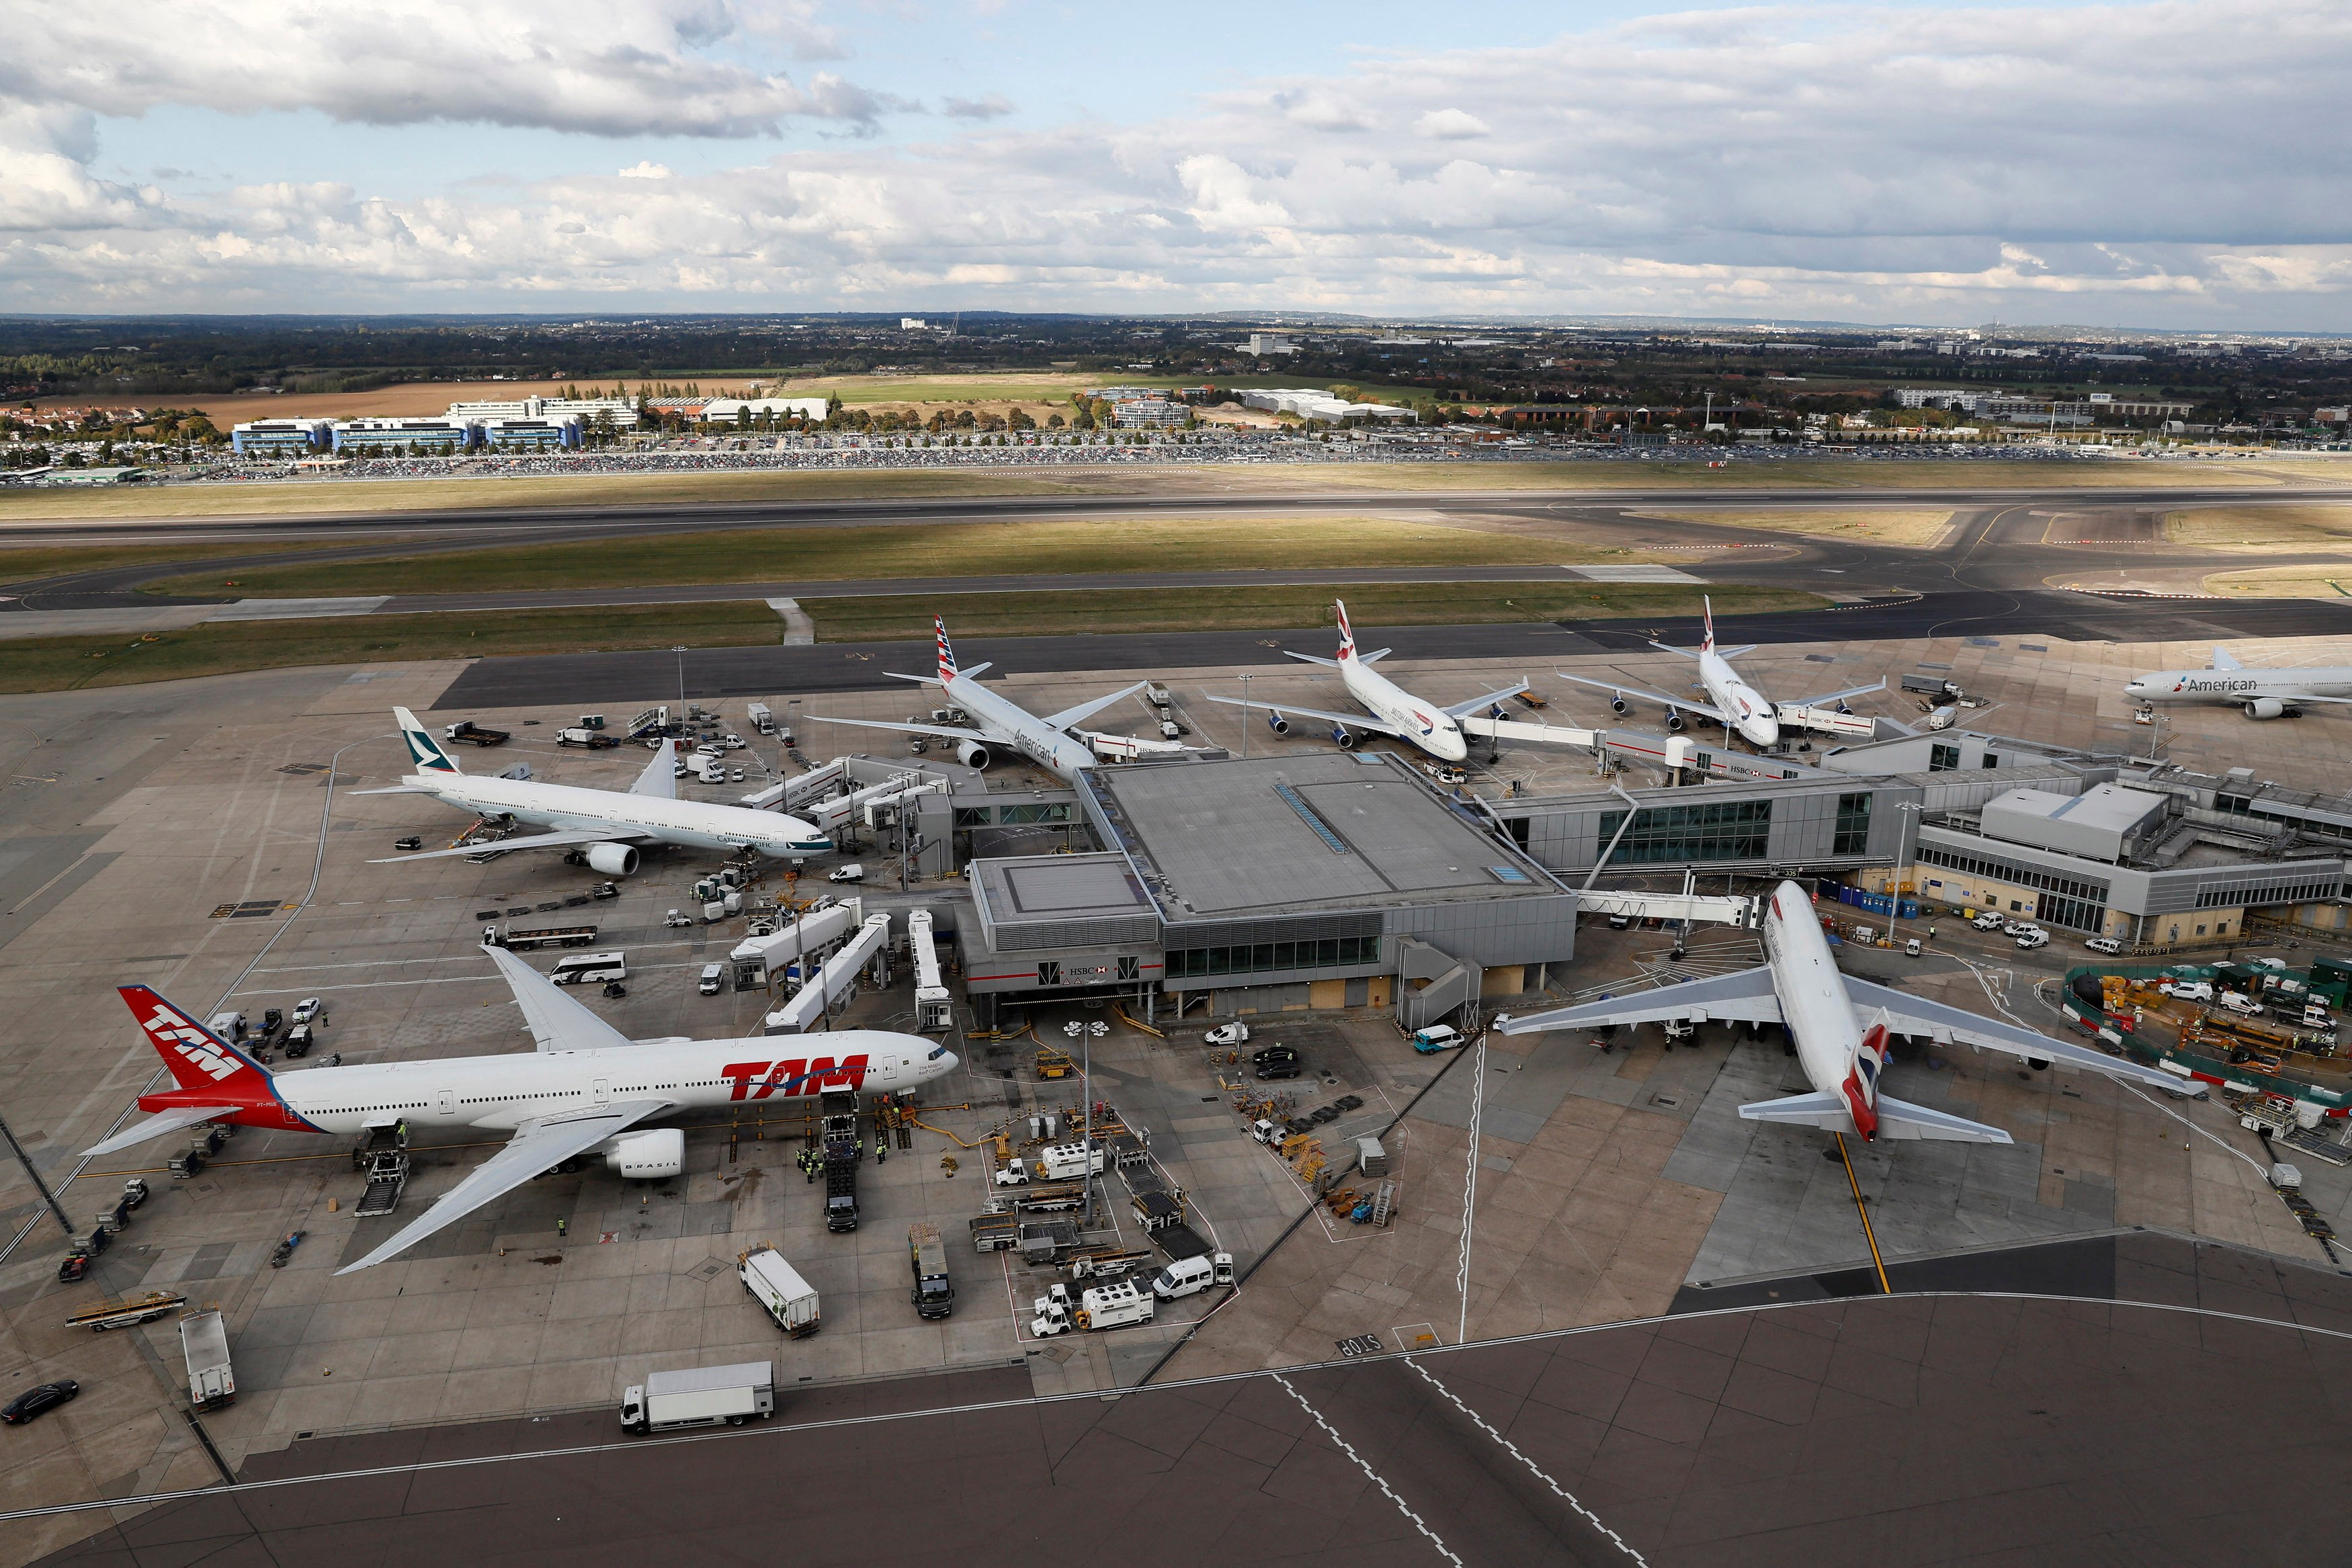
<point x="654" y="675"/>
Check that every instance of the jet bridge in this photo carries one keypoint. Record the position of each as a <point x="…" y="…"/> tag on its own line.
<point x="1543" y="734"/>
<point x="932" y="1008"/>
<point x="831" y="986"/>
<point x="809" y="933"/>
<point x="1693" y="909"/>
<point x="794" y="793"/>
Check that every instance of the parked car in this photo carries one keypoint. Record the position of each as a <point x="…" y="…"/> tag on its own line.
<point x="711" y="976"/>
<point x="2239" y="1003"/>
<point x="2016" y="927"/>
<point x="1273" y="1053"/>
<point x="2032" y="940"/>
<point x="1233" y="1034"/>
<point x="311" y="1009"/>
<point x="2187" y="990"/>
<point x="2275" y="965"/>
<point x="1990" y="920"/>
<point x="1287" y="1067"/>
<point x="2107" y="945"/>
<point x="35" y="1401"/>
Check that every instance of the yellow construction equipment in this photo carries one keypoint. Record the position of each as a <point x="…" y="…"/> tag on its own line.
<point x="1054" y="1063"/>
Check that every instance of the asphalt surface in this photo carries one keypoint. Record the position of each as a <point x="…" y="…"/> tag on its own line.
<point x="2202" y="1427"/>
<point x="654" y="675"/>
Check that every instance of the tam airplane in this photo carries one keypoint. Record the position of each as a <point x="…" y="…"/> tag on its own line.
<point x="1054" y="742"/>
<point x="1731" y="701"/>
<point x="1436" y="729"/>
<point x="2258" y="694"/>
<point x="1843" y="1058"/>
<point x="605" y="827"/>
<point x="587" y="1090"/>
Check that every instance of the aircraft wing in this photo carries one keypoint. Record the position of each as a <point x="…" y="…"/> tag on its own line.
<point x="1908" y="1014"/>
<point x="1456" y="710"/>
<point x="948" y="732"/>
<point x="1688" y="705"/>
<point x="1877" y="685"/>
<point x="1070" y="716"/>
<point x="2286" y="694"/>
<point x="1745" y="997"/>
<point x="1350" y="720"/>
<point x="659" y="781"/>
<point x="557" y="1021"/>
<point x="1374" y="657"/>
<point x="176" y="1119"/>
<point x="539" y="1145"/>
<point x="562" y="839"/>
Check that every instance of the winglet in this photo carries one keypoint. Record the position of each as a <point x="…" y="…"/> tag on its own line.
<point x="423" y="749"/>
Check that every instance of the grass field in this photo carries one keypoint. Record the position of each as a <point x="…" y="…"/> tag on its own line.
<point x="1913" y="528"/>
<point x="30" y="563"/>
<point x="57" y="663"/>
<point x="366" y="497"/>
<point x="2317" y="527"/>
<point x="2285" y="582"/>
<point x="1228" y="608"/>
<point x="945" y="550"/>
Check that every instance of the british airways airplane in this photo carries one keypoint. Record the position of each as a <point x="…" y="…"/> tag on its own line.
<point x="1397" y="712"/>
<point x="587" y="1090"/>
<point x="1731" y="701"/>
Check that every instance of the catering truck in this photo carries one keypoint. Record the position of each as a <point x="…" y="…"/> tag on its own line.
<point x="776" y="1285"/>
<point x="934" y="1293"/>
<point x="204" y="1340"/>
<point x="700" y="1396"/>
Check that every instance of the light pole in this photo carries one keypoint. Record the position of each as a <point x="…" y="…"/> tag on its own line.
<point x="1245" y="713"/>
<point x="679" y="649"/>
<point x="1910" y="810"/>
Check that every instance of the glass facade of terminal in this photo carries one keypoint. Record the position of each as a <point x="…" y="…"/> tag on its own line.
<point x="1676" y="835"/>
<point x="1269" y="958"/>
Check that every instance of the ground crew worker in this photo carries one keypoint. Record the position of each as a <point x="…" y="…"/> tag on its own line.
<point x="562" y="1226"/>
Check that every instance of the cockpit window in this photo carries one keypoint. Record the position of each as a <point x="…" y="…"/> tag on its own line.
<point x="936" y="1052"/>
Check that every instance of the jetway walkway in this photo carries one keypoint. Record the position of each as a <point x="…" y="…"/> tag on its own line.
<point x="830" y="986"/>
<point x="1695" y="908"/>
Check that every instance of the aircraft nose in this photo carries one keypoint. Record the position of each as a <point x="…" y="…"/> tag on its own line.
<point x="1453" y="748"/>
<point x="1766" y="731"/>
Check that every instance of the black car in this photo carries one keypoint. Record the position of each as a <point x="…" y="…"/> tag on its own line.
<point x="34" y="1401"/>
<point x="1273" y="1053"/>
<point x="1279" y="1069"/>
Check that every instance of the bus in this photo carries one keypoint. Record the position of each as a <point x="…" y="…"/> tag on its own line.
<point x="589" y="969"/>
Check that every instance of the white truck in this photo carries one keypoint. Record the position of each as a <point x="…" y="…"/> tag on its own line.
<point x="204" y="1341"/>
<point x="700" y="1396"/>
<point x="1067" y="1162"/>
<point x="776" y="1285"/>
<point x="1104" y="1307"/>
<point x="763" y="717"/>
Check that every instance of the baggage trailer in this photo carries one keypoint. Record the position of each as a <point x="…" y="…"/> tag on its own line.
<point x="129" y="1312"/>
<point x="520" y="941"/>
<point x="700" y="1396"/>
<point x="934" y="1294"/>
<point x="204" y="1341"/>
<point x="776" y="1285"/>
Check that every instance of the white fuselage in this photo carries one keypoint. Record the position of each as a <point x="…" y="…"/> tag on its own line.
<point x="1750" y="714"/>
<point x="1425" y="723"/>
<point x="1032" y="736"/>
<point x="1812" y="996"/>
<point x="497" y="1093"/>
<point x="2235" y="686"/>
<point x="690" y="823"/>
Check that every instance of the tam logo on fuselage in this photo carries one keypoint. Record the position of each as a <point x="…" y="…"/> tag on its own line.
<point x="170" y="1029"/>
<point x="760" y="1080"/>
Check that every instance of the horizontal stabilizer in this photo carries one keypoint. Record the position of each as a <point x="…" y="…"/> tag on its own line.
<point x="393" y="789"/>
<point x="1312" y="659"/>
<point x="1826" y="1110"/>
<point x="1901" y="1119"/>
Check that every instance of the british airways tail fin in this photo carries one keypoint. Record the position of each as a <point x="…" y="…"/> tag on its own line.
<point x="423" y="750"/>
<point x="1347" y="636"/>
<point x="1706" y="619"/>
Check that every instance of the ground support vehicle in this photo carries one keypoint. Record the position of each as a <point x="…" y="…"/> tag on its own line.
<point x="777" y="1286"/>
<point x="473" y="734"/>
<point x="700" y="1396"/>
<point x="204" y="1343"/>
<point x="933" y="1294"/>
<point x="1114" y="1306"/>
<point x="544" y="937"/>
<point x="128" y="1312"/>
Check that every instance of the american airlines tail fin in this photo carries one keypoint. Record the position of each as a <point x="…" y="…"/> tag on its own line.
<point x="2224" y="659"/>
<point x="947" y="653"/>
<point x="198" y="1058"/>
<point x="1347" y="636"/>
<point x="423" y="749"/>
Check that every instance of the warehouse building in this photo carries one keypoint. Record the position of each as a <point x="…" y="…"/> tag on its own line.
<point x="1325" y="880"/>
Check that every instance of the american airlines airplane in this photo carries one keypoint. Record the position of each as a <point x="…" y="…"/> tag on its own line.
<point x="1395" y="712"/>
<point x="585" y="1090"/>
<point x="1054" y="742"/>
<point x="1731" y="701"/>
<point x="605" y="826"/>
<point x="2258" y="694"/>
<point x="1800" y="985"/>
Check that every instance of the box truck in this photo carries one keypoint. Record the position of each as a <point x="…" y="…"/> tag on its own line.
<point x="700" y="1396"/>
<point x="776" y="1285"/>
<point x="204" y="1341"/>
<point x="934" y="1293"/>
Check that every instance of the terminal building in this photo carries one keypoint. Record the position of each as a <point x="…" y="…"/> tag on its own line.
<point x="280" y="437"/>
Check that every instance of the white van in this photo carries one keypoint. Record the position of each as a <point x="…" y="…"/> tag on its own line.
<point x="850" y="873"/>
<point x="709" y="984"/>
<point x="1186" y="1275"/>
<point x="229" y="1026"/>
<point x="2236" y="1002"/>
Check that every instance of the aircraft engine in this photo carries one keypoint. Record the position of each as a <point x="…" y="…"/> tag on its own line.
<point x="2037" y="1065"/>
<point x="612" y="860"/>
<point x="1674" y="720"/>
<point x="654" y="1155"/>
<point x="2266" y="707"/>
<point x="1618" y="705"/>
<point x="1343" y="738"/>
<point x="1276" y="723"/>
<point x="972" y="753"/>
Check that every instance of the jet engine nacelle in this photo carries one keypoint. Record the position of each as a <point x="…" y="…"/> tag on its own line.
<point x="1675" y="720"/>
<point x="654" y="1155"/>
<point x="972" y="753"/>
<point x="1618" y="705"/>
<point x="1276" y="723"/>
<point x="2266" y="707"/>
<point x="1343" y="738"/>
<point x="612" y="860"/>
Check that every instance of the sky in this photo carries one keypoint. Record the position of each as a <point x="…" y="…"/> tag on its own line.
<point x="2177" y="164"/>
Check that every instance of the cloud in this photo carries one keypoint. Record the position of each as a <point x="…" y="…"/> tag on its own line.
<point x="994" y="106"/>
<point x="1853" y="161"/>
<point x="649" y="169"/>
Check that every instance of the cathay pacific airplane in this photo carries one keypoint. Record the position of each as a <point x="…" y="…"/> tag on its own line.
<point x="606" y="826"/>
<point x="585" y="1090"/>
<point x="1436" y="729"/>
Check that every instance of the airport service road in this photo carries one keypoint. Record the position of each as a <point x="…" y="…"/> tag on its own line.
<point x="654" y="675"/>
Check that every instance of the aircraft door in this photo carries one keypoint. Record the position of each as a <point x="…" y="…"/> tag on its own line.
<point x="603" y="1087"/>
<point x="445" y="1100"/>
